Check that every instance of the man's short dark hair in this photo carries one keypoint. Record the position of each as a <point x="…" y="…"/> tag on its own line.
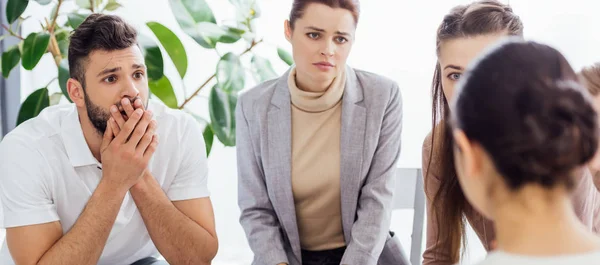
<point x="97" y="32"/>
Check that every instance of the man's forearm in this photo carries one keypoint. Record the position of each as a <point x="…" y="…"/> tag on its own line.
<point x="178" y="238"/>
<point x="85" y="241"/>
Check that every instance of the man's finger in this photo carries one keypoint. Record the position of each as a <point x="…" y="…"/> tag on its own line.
<point x="151" y="148"/>
<point x="108" y="135"/>
<point x="140" y="129"/>
<point x="114" y="127"/>
<point x="127" y="106"/>
<point x="138" y="104"/>
<point x="147" y="138"/>
<point x="116" y="114"/>
<point x="129" y="126"/>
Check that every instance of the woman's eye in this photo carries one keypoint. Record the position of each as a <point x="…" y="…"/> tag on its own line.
<point x="454" y="76"/>
<point x="341" y="40"/>
<point x="313" y="35"/>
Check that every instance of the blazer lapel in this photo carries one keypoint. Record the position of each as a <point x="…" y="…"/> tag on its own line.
<point x="279" y="136"/>
<point x="352" y="142"/>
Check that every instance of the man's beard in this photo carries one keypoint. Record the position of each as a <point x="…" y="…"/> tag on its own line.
<point x="98" y="116"/>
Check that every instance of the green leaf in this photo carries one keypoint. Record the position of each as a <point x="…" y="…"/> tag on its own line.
<point x="76" y="19"/>
<point x="63" y="77"/>
<point x="62" y="37"/>
<point x="164" y="91"/>
<point x="85" y="4"/>
<point x="235" y="30"/>
<point x="208" y="34"/>
<point x="230" y="73"/>
<point x="208" y="133"/>
<point x="285" y="56"/>
<point x="44" y="2"/>
<point x="34" y="47"/>
<point x="263" y="69"/>
<point x="153" y="58"/>
<point x="63" y="46"/>
<point x="33" y="105"/>
<point x="197" y="20"/>
<point x="112" y="5"/>
<point x="221" y="106"/>
<point x="209" y="137"/>
<point x="231" y="34"/>
<point x="190" y="12"/>
<point x="172" y="45"/>
<point x="154" y="63"/>
<point x="10" y="59"/>
<point x="62" y="34"/>
<point x="55" y="98"/>
<point x="14" y="9"/>
<point x="246" y="9"/>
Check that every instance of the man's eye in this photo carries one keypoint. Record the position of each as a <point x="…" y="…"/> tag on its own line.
<point x="110" y="79"/>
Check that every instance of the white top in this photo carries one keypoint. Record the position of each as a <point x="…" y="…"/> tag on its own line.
<point x="49" y="174"/>
<point x="503" y="258"/>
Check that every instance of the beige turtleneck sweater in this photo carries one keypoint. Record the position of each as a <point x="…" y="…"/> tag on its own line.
<point x="316" y="129"/>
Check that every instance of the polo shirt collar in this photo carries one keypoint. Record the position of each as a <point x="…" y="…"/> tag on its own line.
<point x="77" y="148"/>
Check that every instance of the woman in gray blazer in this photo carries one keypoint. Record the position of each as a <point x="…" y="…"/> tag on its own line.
<point x="317" y="150"/>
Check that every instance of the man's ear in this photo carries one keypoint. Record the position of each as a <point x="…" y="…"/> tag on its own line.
<point x="76" y="93"/>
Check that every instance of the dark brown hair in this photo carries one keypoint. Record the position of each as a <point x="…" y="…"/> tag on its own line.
<point x="97" y="32"/>
<point x="299" y="6"/>
<point x="590" y="77"/>
<point x="532" y="116"/>
<point x="477" y="18"/>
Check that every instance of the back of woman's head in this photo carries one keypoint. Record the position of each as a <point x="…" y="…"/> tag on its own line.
<point x="590" y="77"/>
<point x="523" y="104"/>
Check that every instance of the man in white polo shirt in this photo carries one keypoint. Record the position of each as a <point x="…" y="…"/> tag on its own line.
<point x="90" y="182"/>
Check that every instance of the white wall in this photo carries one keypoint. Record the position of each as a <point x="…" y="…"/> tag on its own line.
<point x="394" y="38"/>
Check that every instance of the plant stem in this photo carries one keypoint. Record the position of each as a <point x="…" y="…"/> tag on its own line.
<point x="53" y="79"/>
<point x="254" y="43"/>
<point x="51" y="26"/>
<point x="92" y="6"/>
<point x="12" y="33"/>
<point x="197" y="91"/>
<point x="53" y="47"/>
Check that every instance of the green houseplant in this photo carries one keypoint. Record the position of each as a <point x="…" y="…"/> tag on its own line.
<point x="195" y="18"/>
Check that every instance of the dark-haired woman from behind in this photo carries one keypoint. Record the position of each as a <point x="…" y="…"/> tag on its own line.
<point x="519" y="145"/>
<point x="464" y="33"/>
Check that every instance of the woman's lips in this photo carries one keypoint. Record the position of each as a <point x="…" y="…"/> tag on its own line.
<point x="324" y="66"/>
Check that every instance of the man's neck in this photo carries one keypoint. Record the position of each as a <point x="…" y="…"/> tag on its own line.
<point x="537" y="221"/>
<point x="91" y="135"/>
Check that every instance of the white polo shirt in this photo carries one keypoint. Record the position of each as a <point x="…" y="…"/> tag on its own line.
<point x="48" y="173"/>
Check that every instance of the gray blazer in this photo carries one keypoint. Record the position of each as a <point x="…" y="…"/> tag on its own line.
<point x="370" y="147"/>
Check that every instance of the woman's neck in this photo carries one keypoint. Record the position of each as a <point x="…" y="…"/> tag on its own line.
<point x="306" y="83"/>
<point x="541" y="222"/>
